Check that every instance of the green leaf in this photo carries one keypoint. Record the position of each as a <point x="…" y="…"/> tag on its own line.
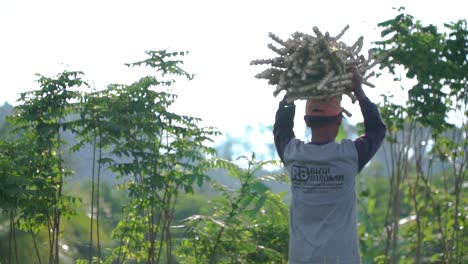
<point x="341" y="134"/>
<point x="258" y="187"/>
<point x="371" y="205"/>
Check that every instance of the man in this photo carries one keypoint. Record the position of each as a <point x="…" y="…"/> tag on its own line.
<point x="323" y="213"/>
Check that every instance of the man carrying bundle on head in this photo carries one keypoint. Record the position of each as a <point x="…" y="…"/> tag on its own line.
<point x="323" y="213"/>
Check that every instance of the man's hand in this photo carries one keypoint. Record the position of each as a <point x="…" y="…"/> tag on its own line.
<point x="285" y="103"/>
<point x="356" y="86"/>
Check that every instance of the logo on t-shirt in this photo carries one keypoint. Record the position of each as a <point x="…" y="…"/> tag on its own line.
<point x="315" y="178"/>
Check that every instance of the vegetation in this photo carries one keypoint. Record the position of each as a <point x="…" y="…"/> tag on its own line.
<point x="153" y="191"/>
<point x="424" y="143"/>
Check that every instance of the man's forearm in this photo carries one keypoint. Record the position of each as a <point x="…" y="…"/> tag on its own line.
<point x="283" y="127"/>
<point x="368" y="144"/>
<point x="371" y="115"/>
<point x="360" y="94"/>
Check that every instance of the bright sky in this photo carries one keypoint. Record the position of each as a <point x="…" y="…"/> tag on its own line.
<point x="98" y="37"/>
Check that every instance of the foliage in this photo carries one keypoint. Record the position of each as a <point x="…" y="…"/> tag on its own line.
<point x="155" y="153"/>
<point x="249" y="223"/>
<point x="437" y="60"/>
<point x="427" y="136"/>
<point x="37" y="164"/>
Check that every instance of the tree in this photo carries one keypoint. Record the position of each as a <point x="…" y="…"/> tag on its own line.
<point x="421" y="134"/>
<point x="35" y="160"/>
<point x="155" y="153"/>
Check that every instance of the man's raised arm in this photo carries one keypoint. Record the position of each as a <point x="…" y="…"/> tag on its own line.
<point x="283" y="127"/>
<point x="374" y="128"/>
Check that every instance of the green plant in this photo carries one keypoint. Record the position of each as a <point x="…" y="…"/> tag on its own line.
<point x="38" y="164"/>
<point x="155" y="153"/>
<point x="249" y="223"/>
<point x="424" y="141"/>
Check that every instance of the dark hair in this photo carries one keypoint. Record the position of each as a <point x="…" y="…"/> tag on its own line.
<point x="320" y="121"/>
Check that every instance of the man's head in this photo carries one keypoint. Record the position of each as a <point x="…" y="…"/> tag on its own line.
<point x="324" y="115"/>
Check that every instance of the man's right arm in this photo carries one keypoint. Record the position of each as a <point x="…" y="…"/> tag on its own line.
<point x="283" y="127"/>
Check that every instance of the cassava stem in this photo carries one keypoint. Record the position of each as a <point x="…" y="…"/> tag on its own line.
<point x="317" y="66"/>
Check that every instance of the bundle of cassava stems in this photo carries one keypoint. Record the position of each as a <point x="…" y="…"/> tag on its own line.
<point x="318" y="67"/>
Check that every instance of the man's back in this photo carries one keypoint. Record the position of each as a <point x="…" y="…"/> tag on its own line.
<point x="323" y="208"/>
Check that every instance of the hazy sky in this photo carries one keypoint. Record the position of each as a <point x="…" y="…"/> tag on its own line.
<point x="97" y="37"/>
